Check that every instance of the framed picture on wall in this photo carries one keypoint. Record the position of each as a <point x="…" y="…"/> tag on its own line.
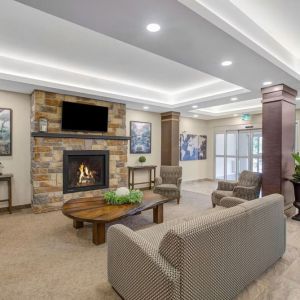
<point x="202" y="147"/>
<point x="5" y="131"/>
<point x="193" y="147"/>
<point x="140" y="133"/>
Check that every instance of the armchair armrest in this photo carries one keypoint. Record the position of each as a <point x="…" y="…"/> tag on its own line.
<point x="226" y="185"/>
<point x="157" y="181"/>
<point x="136" y="269"/>
<point x="179" y="181"/>
<point x="231" y="201"/>
<point x="245" y="192"/>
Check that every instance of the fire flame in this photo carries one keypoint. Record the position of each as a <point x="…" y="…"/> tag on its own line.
<point x="85" y="174"/>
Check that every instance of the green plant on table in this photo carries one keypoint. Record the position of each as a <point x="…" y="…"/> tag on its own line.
<point x="123" y="196"/>
<point x="142" y="159"/>
<point x="296" y="175"/>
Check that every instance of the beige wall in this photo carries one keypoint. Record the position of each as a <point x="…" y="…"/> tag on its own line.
<point x="154" y="157"/>
<point x="194" y="169"/>
<point x="19" y="162"/>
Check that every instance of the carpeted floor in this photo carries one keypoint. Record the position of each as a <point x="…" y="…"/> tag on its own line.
<point x="43" y="257"/>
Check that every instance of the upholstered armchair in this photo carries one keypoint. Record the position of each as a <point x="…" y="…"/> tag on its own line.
<point x="247" y="188"/>
<point x="169" y="182"/>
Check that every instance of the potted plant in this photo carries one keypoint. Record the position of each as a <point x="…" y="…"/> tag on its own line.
<point x="296" y="184"/>
<point x="142" y="159"/>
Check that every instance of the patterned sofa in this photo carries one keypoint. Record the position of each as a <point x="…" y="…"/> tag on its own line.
<point x="212" y="255"/>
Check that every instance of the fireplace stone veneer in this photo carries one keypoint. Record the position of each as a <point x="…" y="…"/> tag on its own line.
<point x="47" y="151"/>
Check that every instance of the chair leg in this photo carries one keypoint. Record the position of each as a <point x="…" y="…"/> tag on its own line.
<point x="178" y="200"/>
<point x="213" y="205"/>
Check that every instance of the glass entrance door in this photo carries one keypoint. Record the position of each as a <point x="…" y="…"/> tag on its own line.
<point x="236" y="151"/>
<point x="256" y="151"/>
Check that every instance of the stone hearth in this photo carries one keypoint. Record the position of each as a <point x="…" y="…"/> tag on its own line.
<point x="47" y="152"/>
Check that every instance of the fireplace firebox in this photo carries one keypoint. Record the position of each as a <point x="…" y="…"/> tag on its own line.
<point x="85" y="170"/>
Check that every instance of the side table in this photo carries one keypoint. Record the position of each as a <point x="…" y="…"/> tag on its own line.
<point x="132" y="169"/>
<point x="7" y="178"/>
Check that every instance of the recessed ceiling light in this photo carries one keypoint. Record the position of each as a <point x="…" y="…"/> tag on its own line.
<point x="234" y="98"/>
<point x="195" y="116"/>
<point x="153" y="27"/>
<point x="226" y="63"/>
<point x="194" y="106"/>
<point x="267" y="83"/>
<point x="146" y="107"/>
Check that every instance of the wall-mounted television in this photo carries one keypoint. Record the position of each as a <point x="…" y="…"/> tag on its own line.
<point x="83" y="117"/>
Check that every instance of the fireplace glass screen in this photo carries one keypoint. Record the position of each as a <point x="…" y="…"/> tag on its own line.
<point x="85" y="170"/>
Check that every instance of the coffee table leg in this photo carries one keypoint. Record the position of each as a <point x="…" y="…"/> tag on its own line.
<point x="98" y="233"/>
<point x="158" y="214"/>
<point x="77" y="224"/>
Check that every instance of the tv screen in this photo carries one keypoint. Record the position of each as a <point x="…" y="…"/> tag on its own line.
<point x="83" y="117"/>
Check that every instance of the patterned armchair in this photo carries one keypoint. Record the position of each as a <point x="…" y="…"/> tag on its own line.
<point x="247" y="188"/>
<point x="169" y="182"/>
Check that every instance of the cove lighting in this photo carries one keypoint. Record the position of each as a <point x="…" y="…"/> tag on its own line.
<point x="153" y="27"/>
<point x="226" y="63"/>
<point x="267" y="83"/>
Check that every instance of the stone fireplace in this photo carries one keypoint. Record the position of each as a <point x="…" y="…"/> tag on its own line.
<point x="85" y="170"/>
<point x="51" y="186"/>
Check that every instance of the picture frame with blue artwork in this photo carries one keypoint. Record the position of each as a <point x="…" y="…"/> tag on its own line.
<point x="193" y="147"/>
<point x="140" y="133"/>
<point x="5" y="132"/>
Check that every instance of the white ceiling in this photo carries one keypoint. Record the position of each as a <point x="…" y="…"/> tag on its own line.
<point x="280" y="19"/>
<point x="103" y="50"/>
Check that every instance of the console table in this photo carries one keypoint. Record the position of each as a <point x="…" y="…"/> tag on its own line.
<point x="7" y="178"/>
<point x="131" y="171"/>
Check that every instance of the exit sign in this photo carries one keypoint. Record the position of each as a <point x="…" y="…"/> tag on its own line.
<point x="246" y="117"/>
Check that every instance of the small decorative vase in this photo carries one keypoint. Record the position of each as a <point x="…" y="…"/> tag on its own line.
<point x="297" y="199"/>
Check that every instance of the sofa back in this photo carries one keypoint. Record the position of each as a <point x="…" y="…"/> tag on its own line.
<point x="221" y="253"/>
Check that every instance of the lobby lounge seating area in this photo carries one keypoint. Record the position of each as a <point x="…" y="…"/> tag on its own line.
<point x="149" y="150"/>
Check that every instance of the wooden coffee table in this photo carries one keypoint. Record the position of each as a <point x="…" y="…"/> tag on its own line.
<point x="95" y="210"/>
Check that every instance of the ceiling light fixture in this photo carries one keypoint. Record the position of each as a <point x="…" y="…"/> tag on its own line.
<point x="267" y="83"/>
<point x="153" y="27"/>
<point x="226" y="63"/>
<point x="234" y="98"/>
<point x="146" y="107"/>
<point x="194" y="106"/>
<point x="235" y="115"/>
<point x="195" y="116"/>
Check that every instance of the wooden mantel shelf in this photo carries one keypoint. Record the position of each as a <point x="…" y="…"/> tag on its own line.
<point x="78" y="136"/>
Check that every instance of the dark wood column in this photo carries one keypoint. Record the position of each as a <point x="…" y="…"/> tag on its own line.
<point x="278" y="128"/>
<point x="170" y="138"/>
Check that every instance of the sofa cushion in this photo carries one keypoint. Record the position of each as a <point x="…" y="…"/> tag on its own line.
<point x="166" y="186"/>
<point x="182" y="235"/>
<point x="155" y="234"/>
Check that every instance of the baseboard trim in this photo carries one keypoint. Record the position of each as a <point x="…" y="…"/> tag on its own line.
<point x="16" y="207"/>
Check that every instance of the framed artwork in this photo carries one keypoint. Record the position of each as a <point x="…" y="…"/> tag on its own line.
<point x="203" y="147"/>
<point x="5" y="131"/>
<point x="193" y="147"/>
<point x="140" y="133"/>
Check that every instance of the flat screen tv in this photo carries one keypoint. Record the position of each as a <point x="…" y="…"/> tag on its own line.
<point x="83" y="117"/>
